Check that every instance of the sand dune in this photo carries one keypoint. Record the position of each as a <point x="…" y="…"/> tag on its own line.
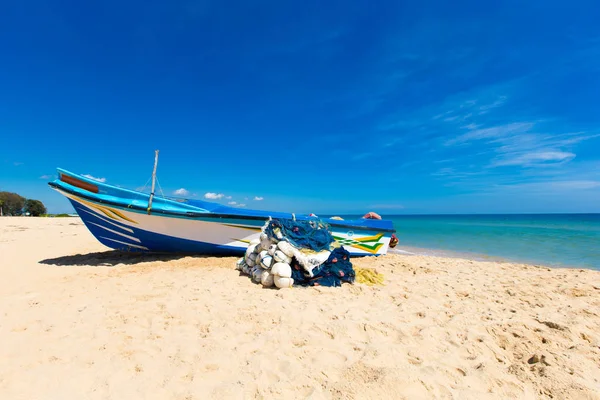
<point x="81" y="322"/>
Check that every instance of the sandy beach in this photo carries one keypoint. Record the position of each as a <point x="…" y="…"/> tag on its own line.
<point x="79" y="321"/>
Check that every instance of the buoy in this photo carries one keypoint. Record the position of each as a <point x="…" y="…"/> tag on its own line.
<point x="282" y="282"/>
<point x="286" y="248"/>
<point x="240" y="264"/>
<point x="272" y="249"/>
<point x="280" y="256"/>
<point x="281" y="269"/>
<point x="267" y="279"/>
<point x="251" y="260"/>
<point x="249" y="251"/>
<point x="260" y="256"/>
<point x="257" y="274"/>
<point x="266" y="262"/>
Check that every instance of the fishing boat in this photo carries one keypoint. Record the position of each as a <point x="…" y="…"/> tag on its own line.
<point x="130" y="220"/>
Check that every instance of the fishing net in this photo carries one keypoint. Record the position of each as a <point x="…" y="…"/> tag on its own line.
<point x="312" y="234"/>
<point x="333" y="272"/>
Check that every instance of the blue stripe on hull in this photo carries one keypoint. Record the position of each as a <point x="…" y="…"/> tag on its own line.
<point x="120" y="239"/>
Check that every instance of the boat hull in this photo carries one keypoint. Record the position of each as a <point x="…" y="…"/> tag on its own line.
<point x="127" y="228"/>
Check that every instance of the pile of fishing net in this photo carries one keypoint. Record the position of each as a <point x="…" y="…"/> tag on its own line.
<point x="301" y="253"/>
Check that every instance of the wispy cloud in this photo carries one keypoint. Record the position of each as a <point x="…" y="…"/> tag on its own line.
<point x="232" y="203"/>
<point x="446" y="171"/>
<point x="213" y="196"/>
<point x="548" y="187"/>
<point x="257" y="198"/>
<point x="181" y="192"/>
<point x="485" y="139"/>
<point x="523" y="144"/>
<point x="18" y="163"/>
<point x="46" y="176"/>
<point x="94" y="178"/>
<point x="228" y="197"/>
<point x="535" y="158"/>
<point x="487" y="107"/>
<point x="495" y="132"/>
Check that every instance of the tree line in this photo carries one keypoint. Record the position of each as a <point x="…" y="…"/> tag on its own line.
<point x="15" y="204"/>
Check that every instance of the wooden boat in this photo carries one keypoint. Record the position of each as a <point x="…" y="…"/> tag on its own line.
<point x="129" y="220"/>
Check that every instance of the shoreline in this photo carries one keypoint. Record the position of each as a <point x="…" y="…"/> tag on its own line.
<point x="129" y="325"/>
<point x="468" y="256"/>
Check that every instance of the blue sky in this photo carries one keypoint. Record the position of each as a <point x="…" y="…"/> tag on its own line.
<point x="395" y="107"/>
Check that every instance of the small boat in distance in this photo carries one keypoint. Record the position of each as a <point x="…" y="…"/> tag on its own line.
<point x="129" y="220"/>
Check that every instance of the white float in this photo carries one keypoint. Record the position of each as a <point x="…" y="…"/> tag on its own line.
<point x="282" y="269"/>
<point x="266" y="262"/>
<point x="267" y="279"/>
<point x="282" y="282"/>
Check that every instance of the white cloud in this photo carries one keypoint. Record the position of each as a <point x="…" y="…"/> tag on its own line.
<point x="181" y="192"/>
<point x="444" y="171"/>
<point x="258" y="198"/>
<point x="494" y="132"/>
<point x="550" y="186"/>
<point x="214" y="196"/>
<point x="232" y="203"/>
<point x="228" y="197"/>
<point x="522" y="144"/>
<point x="535" y="158"/>
<point x="241" y="205"/>
<point x="94" y="178"/>
<point x="486" y="107"/>
<point x="46" y="177"/>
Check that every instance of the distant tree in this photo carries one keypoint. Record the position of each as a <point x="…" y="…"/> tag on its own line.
<point x="34" y="207"/>
<point x="12" y="203"/>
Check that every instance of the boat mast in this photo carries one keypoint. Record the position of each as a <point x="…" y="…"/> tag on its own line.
<point x="153" y="181"/>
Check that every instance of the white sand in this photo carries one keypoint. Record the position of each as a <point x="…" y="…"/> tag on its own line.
<point x="103" y="325"/>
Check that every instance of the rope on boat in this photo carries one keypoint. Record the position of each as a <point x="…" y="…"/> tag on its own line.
<point x="160" y="187"/>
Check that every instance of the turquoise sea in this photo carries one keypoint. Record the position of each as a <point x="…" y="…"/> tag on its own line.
<point x="562" y="240"/>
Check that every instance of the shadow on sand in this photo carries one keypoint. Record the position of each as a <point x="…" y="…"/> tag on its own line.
<point x="112" y="258"/>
